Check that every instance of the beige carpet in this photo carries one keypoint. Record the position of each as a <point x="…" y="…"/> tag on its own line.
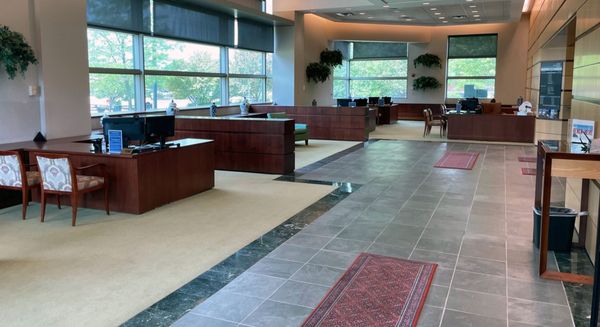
<point x="413" y="131"/>
<point x="109" y="268"/>
<point x="319" y="149"/>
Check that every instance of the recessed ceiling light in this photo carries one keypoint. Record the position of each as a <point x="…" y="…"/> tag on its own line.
<point x="469" y="0"/>
<point x="477" y="19"/>
<point x="409" y="19"/>
<point x="445" y="21"/>
<point x="437" y="13"/>
<point x="403" y="16"/>
<point x="433" y="9"/>
<point x="476" y="16"/>
<point x="386" y="6"/>
<point x="426" y="3"/>
<point x="441" y="17"/>
<point x="474" y="11"/>
<point x="361" y="13"/>
<point x="370" y="17"/>
<point x="472" y="6"/>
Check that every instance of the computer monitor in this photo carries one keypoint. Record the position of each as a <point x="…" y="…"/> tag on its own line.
<point x="373" y="100"/>
<point x="343" y="102"/>
<point x="158" y="128"/>
<point x="361" y="102"/>
<point x="470" y="104"/>
<point x="387" y="100"/>
<point x="132" y="128"/>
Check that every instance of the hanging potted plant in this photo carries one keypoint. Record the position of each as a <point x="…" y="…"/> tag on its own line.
<point x="317" y="72"/>
<point x="15" y="53"/>
<point x="331" y="58"/>
<point x="426" y="83"/>
<point x="428" y="60"/>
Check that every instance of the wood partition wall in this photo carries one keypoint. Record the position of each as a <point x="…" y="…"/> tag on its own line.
<point x="414" y="111"/>
<point x="490" y="127"/>
<point x="244" y="144"/>
<point x="329" y="123"/>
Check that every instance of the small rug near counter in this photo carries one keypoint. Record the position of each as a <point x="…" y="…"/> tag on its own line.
<point x="527" y="159"/>
<point x="528" y="171"/>
<point x="458" y="160"/>
<point x="376" y="291"/>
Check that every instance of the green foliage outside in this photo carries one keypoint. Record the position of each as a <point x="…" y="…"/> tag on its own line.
<point x="471" y="67"/>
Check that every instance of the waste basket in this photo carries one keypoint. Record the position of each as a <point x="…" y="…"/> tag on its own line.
<point x="562" y="223"/>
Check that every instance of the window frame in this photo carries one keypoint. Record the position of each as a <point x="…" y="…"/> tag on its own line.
<point x="467" y="77"/>
<point x="139" y="73"/>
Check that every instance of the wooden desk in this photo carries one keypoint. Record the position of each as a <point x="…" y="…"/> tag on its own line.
<point x="140" y="182"/>
<point x="560" y="159"/>
<point x="388" y="114"/>
<point x="490" y="127"/>
<point x="245" y="144"/>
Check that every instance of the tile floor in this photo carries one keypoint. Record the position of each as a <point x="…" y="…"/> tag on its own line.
<point x="475" y="224"/>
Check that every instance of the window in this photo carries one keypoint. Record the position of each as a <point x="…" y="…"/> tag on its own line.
<point x="366" y="75"/>
<point x="113" y="75"/>
<point x="471" y="66"/>
<point x="133" y="72"/>
<point x="248" y="74"/>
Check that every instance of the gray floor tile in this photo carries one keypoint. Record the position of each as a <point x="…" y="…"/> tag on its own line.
<point x="541" y="292"/>
<point x="461" y="319"/>
<point x="275" y="314"/>
<point x="400" y="235"/>
<point x="322" y="230"/>
<point x="350" y="246"/>
<point x="545" y="314"/>
<point x="256" y="285"/>
<point x="298" y="293"/>
<point x="334" y="259"/>
<point x="293" y="253"/>
<point x="483" y="251"/>
<point x="361" y="231"/>
<point x="390" y="250"/>
<point x="192" y="320"/>
<point x="437" y="296"/>
<point x="482" y="304"/>
<point x="308" y="241"/>
<point x="442" y="276"/>
<point x="275" y="267"/>
<point x="479" y="282"/>
<point x="439" y="245"/>
<point x="444" y="260"/>
<point x="320" y="275"/>
<point x="430" y="317"/>
<point x="483" y="266"/>
<point x="227" y="306"/>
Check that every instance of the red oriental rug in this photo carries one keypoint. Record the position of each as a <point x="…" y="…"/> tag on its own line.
<point x="527" y="159"/>
<point x="376" y="291"/>
<point x="528" y="171"/>
<point x="458" y="160"/>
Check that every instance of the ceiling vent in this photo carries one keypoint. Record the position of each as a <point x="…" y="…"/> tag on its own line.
<point x="344" y="14"/>
<point x="459" y="17"/>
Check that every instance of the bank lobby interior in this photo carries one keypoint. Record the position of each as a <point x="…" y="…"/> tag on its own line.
<point x="299" y="163"/>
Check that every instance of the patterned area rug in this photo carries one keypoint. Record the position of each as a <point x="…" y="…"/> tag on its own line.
<point x="527" y="159"/>
<point x="376" y="291"/>
<point x="528" y="171"/>
<point x="458" y="160"/>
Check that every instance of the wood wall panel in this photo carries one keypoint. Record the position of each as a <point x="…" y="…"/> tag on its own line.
<point x="588" y="17"/>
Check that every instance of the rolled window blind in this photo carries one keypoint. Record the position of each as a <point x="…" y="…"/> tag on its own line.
<point x="125" y="15"/>
<point x="255" y="36"/>
<point x="472" y="46"/>
<point x="381" y="50"/>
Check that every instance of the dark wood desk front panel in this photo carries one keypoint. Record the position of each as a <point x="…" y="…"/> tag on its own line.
<point x="245" y="144"/>
<point x="142" y="182"/>
<point x="327" y="123"/>
<point x="500" y="128"/>
<point x="414" y="111"/>
<point x="388" y="114"/>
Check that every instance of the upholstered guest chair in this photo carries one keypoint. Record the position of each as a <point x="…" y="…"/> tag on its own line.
<point x="14" y="176"/>
<point x="430" y="122"/>
<point x="60" y="177"/>
<point x="300" y="130"/>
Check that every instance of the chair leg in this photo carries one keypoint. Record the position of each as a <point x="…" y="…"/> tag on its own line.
<point x="306" y="142"/>
<point x="441" y="131"/>
<point x="58" y="201"/>
<point x="425" y="130"/>
<point x="106" y="200"/>
<point x="25" y="202"/>
<point x="74" y="209"/>
<point x="43" y="205"/>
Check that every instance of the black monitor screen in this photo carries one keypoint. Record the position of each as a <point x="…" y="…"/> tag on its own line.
<point x="387" y="100"/>
<point x="159" y="127"/>
<point x="373" y="100"/>
<point x="470" y="104"/>
<point x="361" y="102"/>
<point x="131" y="127"/>
<point x="343" y="102"/>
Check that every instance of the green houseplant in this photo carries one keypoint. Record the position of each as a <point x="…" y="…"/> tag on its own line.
<point x="317" y="72"/>
<point x="331" y="58"/>
<point x="428" y="60"/>
<point x="15" y="53"/>
<point x="426" y="83"/>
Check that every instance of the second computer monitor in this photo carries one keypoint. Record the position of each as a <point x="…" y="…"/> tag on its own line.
<point x="159" y="128"/>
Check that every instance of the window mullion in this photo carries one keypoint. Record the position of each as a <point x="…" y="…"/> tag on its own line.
<point x="138" y="60"/>
<point x="225" y="79"/>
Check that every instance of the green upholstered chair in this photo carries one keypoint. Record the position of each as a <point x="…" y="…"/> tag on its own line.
<point x="300" y="130"/>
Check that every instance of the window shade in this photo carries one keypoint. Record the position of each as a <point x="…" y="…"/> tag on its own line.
<point x="374" y="50"/>
<point x="194" y="24"/>
<point x="472" y="46"/>
<point x="126" y="15"/>
<point x="255" y="36"/>
<point x="344" y="47"/>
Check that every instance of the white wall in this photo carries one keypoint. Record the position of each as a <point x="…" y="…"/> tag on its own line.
<point x="57" y="32"/>
<point x="19" y="113"/>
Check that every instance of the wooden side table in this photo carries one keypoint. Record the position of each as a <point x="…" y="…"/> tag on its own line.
<point x="562" y="159"/>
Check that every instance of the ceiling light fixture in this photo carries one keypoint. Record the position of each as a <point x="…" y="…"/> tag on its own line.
<point x="472" y="6"/>
<point x="476" y="16"/>
<point x="386" y="6"/>
<point x="409" y="19"/>
<point x="441" y="17"/>
<point x="425" y="3"/>
<point x="370" y="17"/>
<point x="361" y="13"/>
<point x="445" y="21"/>
<point x="474" y="11"/>
<point x="433" y="9"/>
<point x="437" y="13"/>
